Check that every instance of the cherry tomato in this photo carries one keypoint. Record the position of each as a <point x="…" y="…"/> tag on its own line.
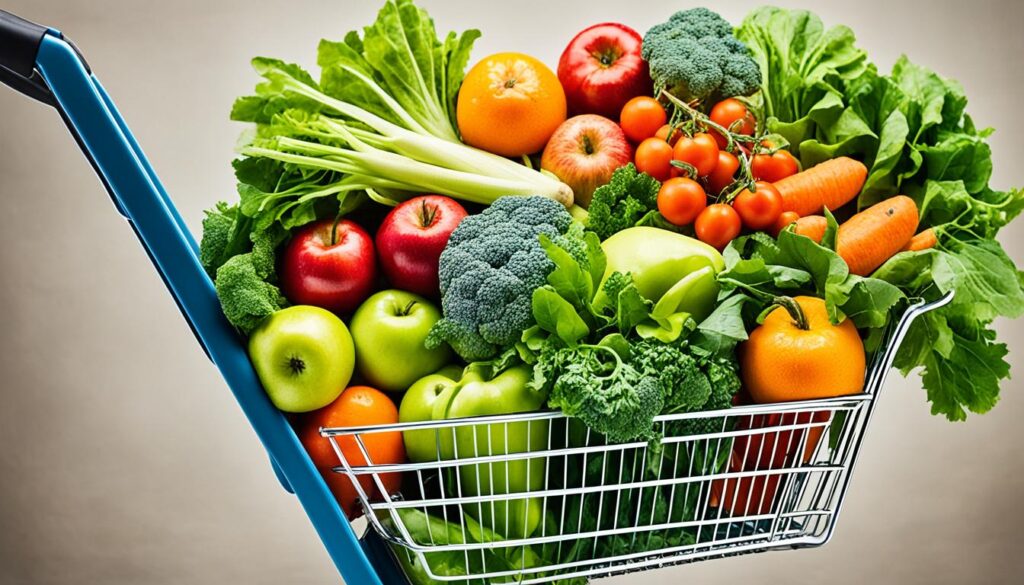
<point x="785" y="218"/>
<point x="728" y="111"/>
<point x="681" y="200"/>
<point x="717" y="225"/>
<point x="773" y="167"/>
<point x="654" y="157"/>
<point x="759" y="209"/>
<point x="724" y="173"/>
<point x="669" y="135"/>
<point x="699" y="151"/>
<point x="641" y="118"/>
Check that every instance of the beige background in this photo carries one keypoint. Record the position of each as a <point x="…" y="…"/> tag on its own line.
<point x="123" y="458"/>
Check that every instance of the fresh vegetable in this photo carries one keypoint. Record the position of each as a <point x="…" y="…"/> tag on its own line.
<point x="759" y="209"/>
<point x="671" y="270"/>
<point x="699" y="151"/>
<point x="488" y="271"/>
<point x="668" y="134"/>
<point x="717" y="225"/>
<point x="811" y="226"/>
<point x="418" y="405"/>
<point x="410" y="239"/>
<point x="695" y="56"/>
<point x="623" y="201"/>
<point x="486" y="389"/>
<point x="641" y="118"/>
<point x="786" y="219"/>
<point x="797" y="354"/>
<point x="584" y="152"/>
<point x="329" y="264"/>
<point x="921" y="241"/>
<point x="830" y="184"/>
<point x="356" y="406"/>
<point x="654" y="157"/>
<point x="733" y="115"/>
<point x="681" y="200"/>
<point x="303" y="356"/>
<point x="601" y="69"/>
<point x="724" y="173"/>
<point x="389" y="330"/>
<point x="773" y="167"/>
<point x="871" y="237"/>
<point x="510" y="104"/>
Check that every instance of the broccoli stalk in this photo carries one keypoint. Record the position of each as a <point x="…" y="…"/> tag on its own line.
<point x="695" y="57"/>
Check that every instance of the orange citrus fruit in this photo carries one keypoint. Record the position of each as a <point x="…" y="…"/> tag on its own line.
<point x="510" y="104"/>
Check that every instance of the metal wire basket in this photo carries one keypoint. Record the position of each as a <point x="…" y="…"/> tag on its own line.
<point x="717" y="483"/>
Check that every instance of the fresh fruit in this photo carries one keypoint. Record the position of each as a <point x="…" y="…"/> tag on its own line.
<point x="681" y="200"/>
<point x="773" y="167"/>
<point x="584" y="152"/>
<point x="510" y="104"/>
<point x="641" y="118"/>
<point x="418" y="405"/>
<point x="759" y="209"/>
<point x="357" y="406"/>
<point x="390" y="329"/>
<point x="868" y="239"/>
<point x="654" y="157"/>
<point x="668" y="134"/>
<point x="717" y="225"/>
<point x="411" y="238"/>
<point x="303" y="356"/>
<point x="724" y="173"/>
<point x="601" y="69"/>
<point x="660" y="261"/>
<point x="797" y="354"/>
<point x="329" y="264"/>
<point x="830" y="184"/>
<point x="785" y="219"/>
<point x="698" y="151"/>
<point x="728" y="112"/>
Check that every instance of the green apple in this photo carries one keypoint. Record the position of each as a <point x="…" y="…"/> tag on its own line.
<point x="418" y="405"/>
<point x="390" y="329"/>
<point x="304" y="357"/>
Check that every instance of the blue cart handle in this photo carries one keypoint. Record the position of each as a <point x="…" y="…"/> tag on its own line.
<point x="43" y="65"/>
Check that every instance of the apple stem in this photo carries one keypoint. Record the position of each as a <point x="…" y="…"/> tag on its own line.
<point x="334" y="230"/>
<point x="588" y="145"/>
<point x="427" y="214"/>
<point x="408" y="308"/>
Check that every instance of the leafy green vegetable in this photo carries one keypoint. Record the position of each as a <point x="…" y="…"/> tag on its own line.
<point x="623" y="201"/>
<point x="244" y="284"/>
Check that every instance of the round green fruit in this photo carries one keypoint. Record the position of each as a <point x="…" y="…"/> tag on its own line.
<point x="390" y="329"/>
<point x="418" y="405"/>
<point x="304" y="357"/>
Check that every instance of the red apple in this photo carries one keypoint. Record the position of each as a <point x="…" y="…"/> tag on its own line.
<point x="601" y="70"/>
<point x="584" y="152"/>
<point x="411" y="238"/>
<point x="333" y="271"/>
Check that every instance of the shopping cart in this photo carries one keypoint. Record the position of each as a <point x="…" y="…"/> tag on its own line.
<point x="716" y="484"/>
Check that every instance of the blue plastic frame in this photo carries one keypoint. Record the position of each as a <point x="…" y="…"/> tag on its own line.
<point x="140" y="197"/>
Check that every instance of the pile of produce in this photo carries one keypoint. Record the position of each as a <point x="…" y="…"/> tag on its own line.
<point x="700" y="216"/>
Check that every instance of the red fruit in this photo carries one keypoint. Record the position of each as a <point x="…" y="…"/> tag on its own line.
<point x="584" y="152"/>
<point x="335" y="273"/>
<point x="411" y="238"/>
<point x="759" y="209"/>
<point x="601" y="69"/>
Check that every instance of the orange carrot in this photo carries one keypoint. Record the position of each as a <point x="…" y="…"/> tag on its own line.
<point x="874" y="235"/>
<point x="812" y="226"/>
<point x="831" y="184"/>
<point x="921" y="241"/>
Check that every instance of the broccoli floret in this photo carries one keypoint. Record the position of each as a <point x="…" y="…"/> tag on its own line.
<point x="488" y="271"/>
<point x="225" y="234"/>
<point x="623" y="201"/>
<point x="686" y="388"/>
<point x="695" y="56"/>
<point x="244" y="284"/>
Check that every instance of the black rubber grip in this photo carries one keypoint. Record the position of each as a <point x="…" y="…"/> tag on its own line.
<point x="19" y="43"/>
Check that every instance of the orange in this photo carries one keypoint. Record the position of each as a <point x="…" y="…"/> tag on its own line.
<point x="357" y="406"/>
<point x="781" y="361"/>
<point x="510" y="104"/>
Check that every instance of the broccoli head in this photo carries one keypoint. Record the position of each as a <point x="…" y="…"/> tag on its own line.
<point x="695" y="56"/>
<point x="244" y="282"/>
<point x="622" y="201"/>
<point x="488" y="271"/>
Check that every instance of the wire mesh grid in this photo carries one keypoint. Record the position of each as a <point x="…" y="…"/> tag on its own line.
<point x="538" y="497"/>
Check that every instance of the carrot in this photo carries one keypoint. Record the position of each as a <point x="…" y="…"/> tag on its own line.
<point x="921" y="241"/>
<point x="874" y="235"/>
<point x="831" y="184"/>
<point x="812" y="226"/>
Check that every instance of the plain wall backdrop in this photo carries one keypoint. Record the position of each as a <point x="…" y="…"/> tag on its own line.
<point x="123" y="457"/>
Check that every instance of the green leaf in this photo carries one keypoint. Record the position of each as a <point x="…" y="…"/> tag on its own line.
<point x="568" y="279"/>
<point x="557" y="316"/>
